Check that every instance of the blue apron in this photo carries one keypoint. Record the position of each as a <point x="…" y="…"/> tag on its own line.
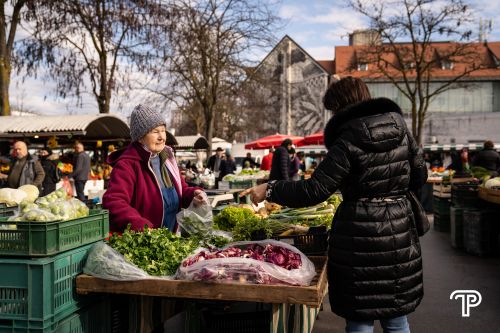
<point x="169" y="196"/>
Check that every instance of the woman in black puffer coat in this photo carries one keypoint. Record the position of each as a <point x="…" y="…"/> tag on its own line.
<point x="374" y="257"/>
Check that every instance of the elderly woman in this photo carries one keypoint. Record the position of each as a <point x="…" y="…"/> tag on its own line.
<point x="146" y="188"/>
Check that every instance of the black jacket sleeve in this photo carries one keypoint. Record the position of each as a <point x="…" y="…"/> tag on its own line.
<point x="418" y="173"/>
<point x="284" y="164"/>
<point x="323" y="183"/>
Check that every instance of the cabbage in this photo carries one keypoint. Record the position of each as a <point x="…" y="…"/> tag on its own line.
<point x="493" y="183"/>
<point x="31" y="191"/>
<point x="12" y="197"/>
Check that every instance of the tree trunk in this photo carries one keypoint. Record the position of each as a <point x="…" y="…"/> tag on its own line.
<point x="209" y="129"/>
<point x="4" y="87"/>
<point x="414" y="119"/>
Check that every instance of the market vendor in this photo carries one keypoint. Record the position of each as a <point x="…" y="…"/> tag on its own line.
<point x="146" y="187"/>
<point x="374" y="255"/>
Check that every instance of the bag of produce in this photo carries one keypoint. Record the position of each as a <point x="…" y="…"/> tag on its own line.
<point x="35" y="215"/>
<point x="106" y="263"/>
<point x="196" y="219"/>
<point x="255" y="262"/>
<point x="12" y="197"/>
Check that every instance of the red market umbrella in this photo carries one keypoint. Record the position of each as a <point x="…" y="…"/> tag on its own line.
<point x="314" y="139"/>
<point x="273" y="141"/>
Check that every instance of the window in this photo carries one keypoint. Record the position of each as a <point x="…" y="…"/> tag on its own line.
<point x="409" y="65"/>
<point x="362" y="66"/>
<point x="446" y="65"/>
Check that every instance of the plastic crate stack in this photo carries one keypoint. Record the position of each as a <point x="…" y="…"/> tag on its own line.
<point x="464" y="196"/>
<point x="481" y="230"/>
<point x="39" y="262"/>
<point x="441" y="206"/>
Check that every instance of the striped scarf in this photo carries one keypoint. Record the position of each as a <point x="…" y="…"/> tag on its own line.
<point x="164" y="170"/>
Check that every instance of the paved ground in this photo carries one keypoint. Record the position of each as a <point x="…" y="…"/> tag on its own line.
<point x="445" y="270"/>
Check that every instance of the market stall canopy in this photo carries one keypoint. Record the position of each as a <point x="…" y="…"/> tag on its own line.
<point x="191" y="142"/>
<point x="218" y="142"/>
<point x="314" y="139"/>
<point x="273" y="141"/>
<point x="102" y="126"/>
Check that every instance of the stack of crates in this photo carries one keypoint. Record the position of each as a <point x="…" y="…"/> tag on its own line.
<point x="441" y="207"/>
<point x="481" y="230"/>
<point x="464" y="196"/>
<point x="39" y="263"/>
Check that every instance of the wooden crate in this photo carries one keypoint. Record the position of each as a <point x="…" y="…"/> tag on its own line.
<point x="441" y="190"/>
<point x="311" y="295"/>
<point x="490" y="195"/>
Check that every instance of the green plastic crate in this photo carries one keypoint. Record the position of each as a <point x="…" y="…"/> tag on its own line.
<point x="35" y="239"/>
<point x="39" y="292"/>
<point x="95" y="318"/>
<point x="7" y="211"/>
<point x="243" y="184"/>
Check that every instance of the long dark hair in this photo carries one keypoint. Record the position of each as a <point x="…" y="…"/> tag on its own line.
<point x="344" y="92"/>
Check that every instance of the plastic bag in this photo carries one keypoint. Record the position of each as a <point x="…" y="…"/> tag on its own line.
<point x="35" y="215"/>
<point x="258" y="262"/>
<point x="12" y="197"/>
<point x="196" y="219"/>
<point x="106" y="263"/>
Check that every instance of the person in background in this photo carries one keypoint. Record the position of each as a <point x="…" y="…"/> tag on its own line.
<point x="81" y="170"/>
<point x="214" y="161"/>
<point x="228" y="166"/>
<point x="267" y="160"/>
<point x="280" y="165"/>
<point x="488" y="158"/>
<point x="294" y="165"/>
<point x="249" y="162"/>
<point x="24" y="169"/>
<point x="302" y="161"/>
<point x="374" y="255"/>
<point x="52" y="172"/>
<point x="146" y="188"/>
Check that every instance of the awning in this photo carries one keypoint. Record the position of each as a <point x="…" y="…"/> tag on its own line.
<point x="457" y="146"/>
<point x="191" y="142"/>
<point x="314" y="139"/>
<point x="102" y="126"/>
<point x="272" y="141"/>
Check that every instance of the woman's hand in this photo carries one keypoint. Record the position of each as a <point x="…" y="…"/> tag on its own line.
<point x="257" y="193"/>
<point x="199" y="198"/>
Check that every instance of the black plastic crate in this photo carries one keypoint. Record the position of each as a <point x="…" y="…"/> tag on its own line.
<point x="465" y="195"/>
<point x="480" y="232"/>
<point x="6" y="211"/>
<point x="441" y="206"/>
<point x="442" y="222"/>
<point x="251" y="322"/>
<point x="313" y="243"/>
<point x="456" y="227"/>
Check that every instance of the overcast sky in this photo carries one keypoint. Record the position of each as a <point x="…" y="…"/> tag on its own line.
<point x="317" y="25"/>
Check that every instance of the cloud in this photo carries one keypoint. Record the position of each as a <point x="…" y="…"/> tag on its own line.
<point x="291" y="12"/>
<point x="321" y="52"/>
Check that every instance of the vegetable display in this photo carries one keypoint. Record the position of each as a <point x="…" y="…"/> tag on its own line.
<point x="156" y="251"/>
<point x="259" y="262"/>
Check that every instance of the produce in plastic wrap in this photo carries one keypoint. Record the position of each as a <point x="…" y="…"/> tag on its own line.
<point x="31" y="191"/>
<point x="106" y="263"/>
<point x="260" y="262"/>
<point x="12" y="197"/>
<point x="35" y="215"/>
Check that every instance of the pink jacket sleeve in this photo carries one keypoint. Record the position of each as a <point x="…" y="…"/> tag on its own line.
<point x="118" y="197"/>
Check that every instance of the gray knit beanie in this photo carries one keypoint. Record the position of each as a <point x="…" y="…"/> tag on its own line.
<point x="142" y="120"/>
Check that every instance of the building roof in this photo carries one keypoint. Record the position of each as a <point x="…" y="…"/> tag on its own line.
<point x="347" y="59"/>
<point x="191" y="142"/>
<point x="102" y="126"/>
<point x="328" y="65"/>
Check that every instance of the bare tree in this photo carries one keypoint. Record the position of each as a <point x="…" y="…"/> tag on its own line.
<point x="90" y="45"/>
<point x="10" y="17"/>
<point x="209" y="41"/>
<point x="407" y="56"/>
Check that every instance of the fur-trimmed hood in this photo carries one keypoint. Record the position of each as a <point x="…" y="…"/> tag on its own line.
<point x="376" y="124"/>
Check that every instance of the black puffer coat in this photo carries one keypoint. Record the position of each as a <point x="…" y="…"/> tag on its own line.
<point x="280" y="166"/>
<point x="374" y="259"/>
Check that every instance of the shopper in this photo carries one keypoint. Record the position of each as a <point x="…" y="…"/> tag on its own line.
<point x="374" y="256"/>
<point x="228" y="166"/>
<point x="146" y="187"/>
<point x="25" y="168"/>
<point x="81" y="170"/>
<point x="488" y="158"/>
<point x="52" y="172"/>
<point x="281" y="161"/>
<point x="249" y="162"/>
<point x="267" y="160"/>
<point x="294" y="165"/>
<point x="214" y="161"/>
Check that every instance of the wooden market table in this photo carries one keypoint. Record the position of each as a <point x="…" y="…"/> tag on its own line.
<point x="302" y="302"/>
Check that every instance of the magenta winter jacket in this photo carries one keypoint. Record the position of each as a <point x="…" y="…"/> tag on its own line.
<point x="133" y="195"/>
